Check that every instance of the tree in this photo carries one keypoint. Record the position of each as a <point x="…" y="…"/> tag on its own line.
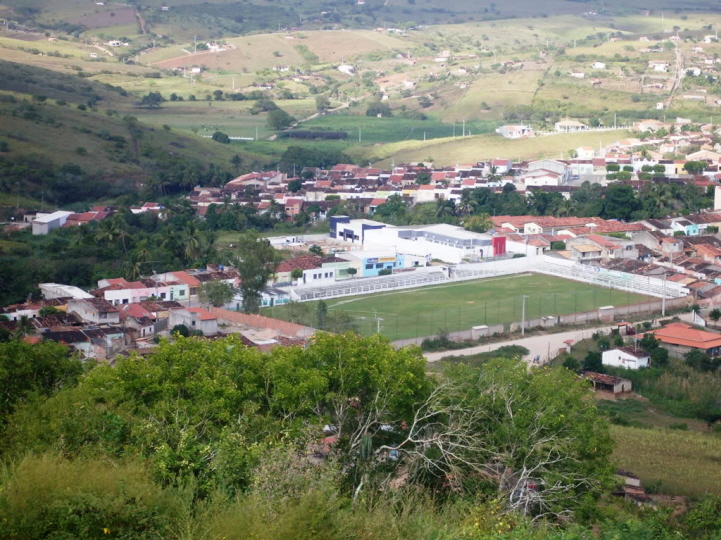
<point x="220" y="137"/>
<point x="352" y="272"/>
<point x="694" y="167"/>
<point x="480" y="223"/>
<point x="621" y="202"/>
<point x="48" y="310"/>
<point x="279" y="119"/>
<point x="153" y="100"/>
<point x="423" y="178"/>
<point x="296" y="274"/>
<point x="378" y="109"/>
<point x="315" y="249"/>
<point x="322" y="103"/>
<point x="472" y="422"/>
<point x="295" y="185"/>
<point x="42" y="368"/>
<point x="321" y="314"/>
<point x="256" y="265"/>
<point x="216" y="293"/>
<point x="701" y="361"/>
<point x="715" y="314"/>
<point x="236" y="162"/>
<point x="181" y="330"/>
<point x="593" y="362"/>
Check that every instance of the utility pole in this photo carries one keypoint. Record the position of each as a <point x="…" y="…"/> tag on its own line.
<point x="360" y="137"/>
<point x="523" y="316"/>
<point x="663" y="298"/>
<point x="464" y="127"/>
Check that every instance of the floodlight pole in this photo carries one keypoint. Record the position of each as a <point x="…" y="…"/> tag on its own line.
<point x="663" y="298"/>
<point x="523" y="316"/>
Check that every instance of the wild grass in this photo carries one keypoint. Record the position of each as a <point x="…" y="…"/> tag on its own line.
<point x="679" y="462"/>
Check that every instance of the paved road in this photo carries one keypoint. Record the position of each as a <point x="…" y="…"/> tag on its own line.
<point x="536" y="345"/>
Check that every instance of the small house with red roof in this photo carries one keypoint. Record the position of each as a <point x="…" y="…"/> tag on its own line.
<point x="194" y="319"/>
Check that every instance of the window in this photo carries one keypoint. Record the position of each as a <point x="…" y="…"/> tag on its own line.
<point x="379" y="265"/>
<point x="125" y="300"/>
<point x="181" y="293"/>
<point x="369" y="267"/>
<point x="162" y="295"/>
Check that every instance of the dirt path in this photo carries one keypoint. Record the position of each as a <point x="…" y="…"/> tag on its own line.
<point x="545" y="346"/>
<point x="677" y="78"/>
<point x="141" y="22"/>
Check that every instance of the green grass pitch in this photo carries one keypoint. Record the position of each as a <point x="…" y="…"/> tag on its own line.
<point x="424" y="311"/>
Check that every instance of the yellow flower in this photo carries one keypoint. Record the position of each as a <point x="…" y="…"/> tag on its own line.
<point x="106" y="530"/>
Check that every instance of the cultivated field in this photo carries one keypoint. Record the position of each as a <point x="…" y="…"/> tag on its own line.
<point x="459" y="306"/>
<point x="686" y="463"/>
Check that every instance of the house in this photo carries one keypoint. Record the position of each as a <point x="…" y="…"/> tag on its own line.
<point x="684" y="226"/>
<point x="570" y="126"/>
<point x="94" y="310"/>
<point x="577" y="74"/>
<point x="515" y="132"/>
<point x="598" y="65"/>
<point x="608" y="383"/>
<point x="44" y="223"/>
<point x="541" y="177"/>
<point x="626" y="357"/>
<point x="659" y="66"/>
<point x="585" y="152"/>
<point x="648" y="126"/>
<point x="283" y="273"/>
<point x="680" y="338"/>
<point x="194" y="319"/>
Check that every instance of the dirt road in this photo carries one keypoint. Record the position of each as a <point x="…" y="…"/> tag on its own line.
<point x="545" y="346"/>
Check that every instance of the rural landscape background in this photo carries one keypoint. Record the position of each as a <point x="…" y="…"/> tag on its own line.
<point x="115" y="105"/>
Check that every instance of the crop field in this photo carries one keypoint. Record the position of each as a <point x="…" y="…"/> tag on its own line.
<point x="471" y="149"/>
<point x="684" y="462"/>
<point x="459" y="306"/>
<point x="374" y="130"/>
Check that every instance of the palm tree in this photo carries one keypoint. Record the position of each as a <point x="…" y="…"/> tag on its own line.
<point x="24" y="327"/>
<point x="466" y="205"/>
<point x="107" y="231"/>
<point x="565" y="208"/>
<point x="192" y="242"/>
<point x="445" y="208"/>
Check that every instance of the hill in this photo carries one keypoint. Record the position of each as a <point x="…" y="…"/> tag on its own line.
<point x="60" y="130"/>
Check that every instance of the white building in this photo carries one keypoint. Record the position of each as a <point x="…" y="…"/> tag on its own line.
<point x="598" y="65"/>
<point x="447" y="243"/>
<point x="194" y="319"/>
<point x="541" y="177"/>
<point x="626" y="357"/>
<point x="570" y="126"/>
<point x="44" y="223"/>
<point x="515" y="132"/>
<point x="57" y="290"/>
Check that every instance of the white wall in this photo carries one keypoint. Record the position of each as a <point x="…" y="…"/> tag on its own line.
<point x="618" y="358"/>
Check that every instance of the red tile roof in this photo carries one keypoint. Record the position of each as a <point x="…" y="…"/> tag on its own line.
<point x="687" y="336"/>
<point x="186" y="278"/>
<point x="203" y="314"/>
<point x="304" y="262"/>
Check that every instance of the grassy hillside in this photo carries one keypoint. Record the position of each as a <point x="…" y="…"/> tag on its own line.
<point x="56" y="126"/>
<point x="450" y="151"/>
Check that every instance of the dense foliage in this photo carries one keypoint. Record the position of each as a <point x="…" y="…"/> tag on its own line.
<point x="210" y="439"/>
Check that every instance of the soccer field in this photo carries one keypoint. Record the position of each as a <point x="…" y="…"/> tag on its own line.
<point x="459" y="306"/>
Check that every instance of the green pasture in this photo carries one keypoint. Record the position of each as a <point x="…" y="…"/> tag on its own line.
<point x="459" y="306"/>
<point x="375" y="130"/>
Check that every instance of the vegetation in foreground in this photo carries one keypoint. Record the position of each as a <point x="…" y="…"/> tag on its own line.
<point x="210" y="440"/>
